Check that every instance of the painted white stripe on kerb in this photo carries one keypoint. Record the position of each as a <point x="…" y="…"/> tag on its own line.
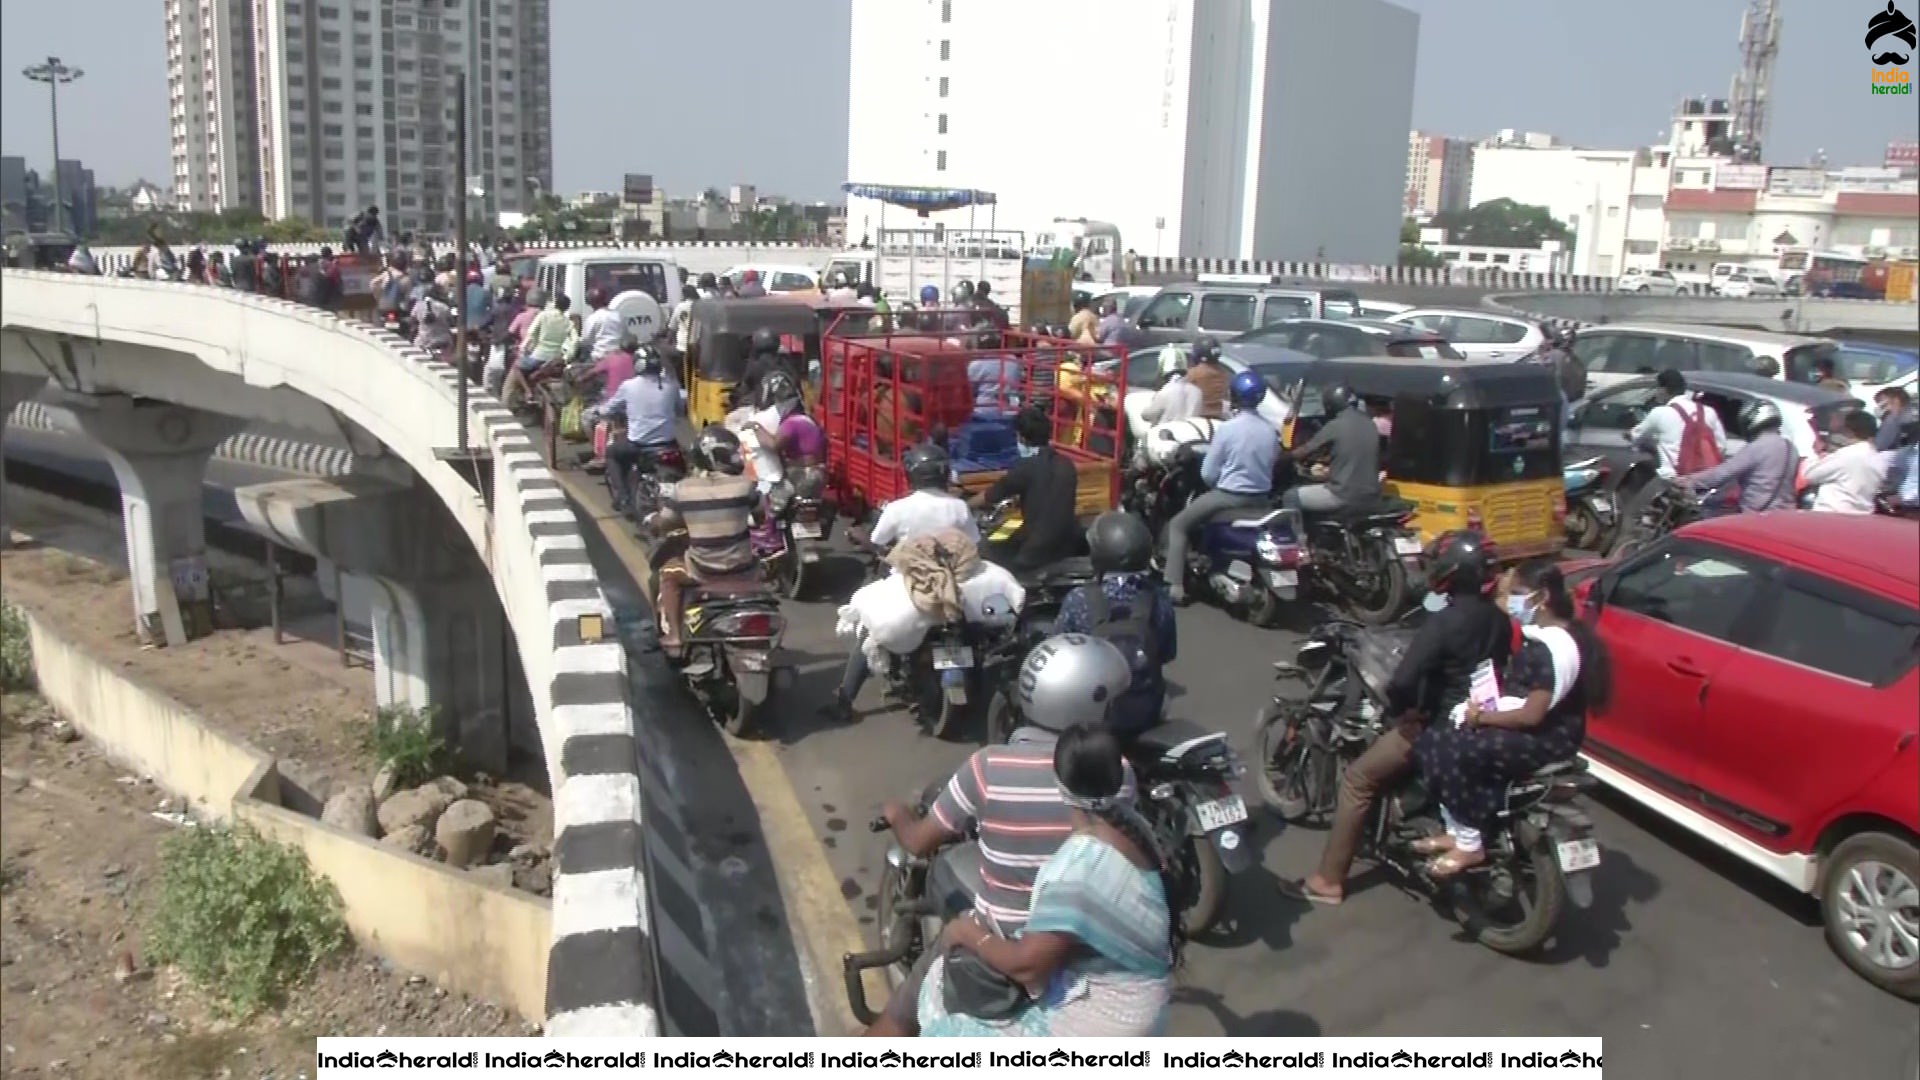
<point x="573" y="609"/>
<point x="551" y="517"/>
<point x="595" y="798"/>
<point x="598" y="659"/>
<point x="577" y="720"/>
<point x="605" y="1021"/>
<point x="602" y="900"/>
<point x="568" y="572"/>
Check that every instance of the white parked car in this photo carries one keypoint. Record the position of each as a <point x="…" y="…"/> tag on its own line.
<point x="1749" y="284"/>
<point x="778" y="278"/>
<point x="1478" y="335"/>
<point x="1365" y="308"/>
<point x="1657" y="281"/>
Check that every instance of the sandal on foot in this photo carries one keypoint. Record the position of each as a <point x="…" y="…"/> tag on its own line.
<point x="1300" y="890"/>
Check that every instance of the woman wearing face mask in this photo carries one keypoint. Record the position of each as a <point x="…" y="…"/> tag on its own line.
<point x="1560" y="672"/>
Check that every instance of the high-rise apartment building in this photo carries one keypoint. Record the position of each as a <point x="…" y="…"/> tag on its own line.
<point x="351" y="103"/>
<point x="210" y="103"/>
<point x="1439" y="173"/>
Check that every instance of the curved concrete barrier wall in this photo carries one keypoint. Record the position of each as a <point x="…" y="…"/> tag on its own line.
<point x="1791" y="314"/>
<point x="603" y="974"/>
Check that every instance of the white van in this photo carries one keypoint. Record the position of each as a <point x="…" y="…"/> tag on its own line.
<point x="1617" y="352"/>
<point x="777" y="277"/>
<point x="644" y="286"/>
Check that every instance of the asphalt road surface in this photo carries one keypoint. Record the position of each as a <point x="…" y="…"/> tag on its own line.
<point x="1687" y="964"/>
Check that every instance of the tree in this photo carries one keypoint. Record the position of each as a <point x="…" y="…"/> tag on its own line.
<point x="1413" y="255"/>
<point x="1501" y="223"/>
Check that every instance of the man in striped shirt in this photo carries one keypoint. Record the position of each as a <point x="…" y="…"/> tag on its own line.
<point x="717" y="507"/>
<point x="1010" y="796"/>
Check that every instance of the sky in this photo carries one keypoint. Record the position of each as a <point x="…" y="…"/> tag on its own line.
<point x="697" y="101"/>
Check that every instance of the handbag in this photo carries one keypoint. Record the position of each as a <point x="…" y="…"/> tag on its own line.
<point x="971" y="988"/>
<point x="573" y="420"/>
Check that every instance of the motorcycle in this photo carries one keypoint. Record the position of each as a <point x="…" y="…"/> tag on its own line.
<point x="1591" y="514"/>
<point x="918" y="895"/>
<point x="1245" y="559"/>
<point x="1540" y="854"/>
<point x="1663" y="507"/>
<point x="787" y="546"/>
<point x="730" y="664"/>
<point x="942" y="681"/>
<point x="1186" y="775"/>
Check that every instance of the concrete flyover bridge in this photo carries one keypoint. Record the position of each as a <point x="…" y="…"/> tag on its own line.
<point x="158" y="375"/>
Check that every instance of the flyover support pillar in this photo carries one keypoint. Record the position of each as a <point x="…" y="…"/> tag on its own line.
<point x="159" y="453"/>
<point x="14" y="389"/>
<point x="440" y="639"/>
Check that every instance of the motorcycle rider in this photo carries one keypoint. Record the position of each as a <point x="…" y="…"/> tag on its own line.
<point x="717" y="507"/>
<point x="1178" y="398"/>
<point x="1238" y="470"/>
<point x="801" y="444"/>
<point x="1434" y="675"/>
<point x="1126" y="605"/>
<point x="1010" y="794"/>
<point x="1764" y="470"/>
<point x="1205" y="371"/>
<point x="651" y="402"/>
<point x="600" y="334"/>
<point x="1352" y="443"/>
<point x="928" y="508"/>
<point x="763" y="359"/>
<point x="1047" y="486"/>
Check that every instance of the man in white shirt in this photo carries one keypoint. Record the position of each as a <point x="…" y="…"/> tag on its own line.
<point x="600" y="334"/>
<point x="929" y="507"/>
<point x="1665" y="427"/>
<point x="1177" y="399"/>
<point x="1848" y="478"/>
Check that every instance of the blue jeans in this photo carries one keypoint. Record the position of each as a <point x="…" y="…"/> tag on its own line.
<point x="855" y="676"/>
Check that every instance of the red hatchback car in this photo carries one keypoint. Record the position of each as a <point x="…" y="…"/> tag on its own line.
<point x="1766" y="697"/>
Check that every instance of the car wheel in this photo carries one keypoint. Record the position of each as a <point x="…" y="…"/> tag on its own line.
<point x="1870" y="901"/>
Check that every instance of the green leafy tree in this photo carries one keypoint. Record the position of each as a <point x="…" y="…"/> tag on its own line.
<point x="1501" y="223"/>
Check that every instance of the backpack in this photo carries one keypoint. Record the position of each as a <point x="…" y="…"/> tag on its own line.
<point x="1133" y="634"/>
<point x="1698" y="451"/>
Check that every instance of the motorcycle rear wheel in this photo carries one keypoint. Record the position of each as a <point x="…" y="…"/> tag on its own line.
<point x="787" y="574"/>
<point x="1538" y="879"/>
<point x="1385" y="603"/>
<point x="744" y="717"/>
<point x="1206" y="886"/>
<point x="1583" y="527"/>
<point x="1288" y="777"/>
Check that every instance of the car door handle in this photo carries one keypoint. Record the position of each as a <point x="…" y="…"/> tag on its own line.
<point x="1681" y="665"/>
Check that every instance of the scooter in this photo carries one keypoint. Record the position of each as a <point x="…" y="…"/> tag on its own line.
<point x="1592" y="514"/>
<point x="1248" y="560"/>
<point x="788" y="545"/>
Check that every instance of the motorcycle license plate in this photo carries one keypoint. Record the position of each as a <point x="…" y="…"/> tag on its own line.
<point x="1406" y="545"/>
<point x="1283" y="579"/>
<point x="667" y="488"/>
<point x="1603" y="502"/>
<point x="1577" y="855"/>
<point x="1221" y="813"/>
<point x="952" y="657"/>
<point x="1240" y="571"/>
<point x="806" y="530"/>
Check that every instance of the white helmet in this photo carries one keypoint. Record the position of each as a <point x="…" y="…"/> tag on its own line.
<point x="1165" y="440"/>
<point x="1071" y="679"/>
<point x="1173" y="359"/>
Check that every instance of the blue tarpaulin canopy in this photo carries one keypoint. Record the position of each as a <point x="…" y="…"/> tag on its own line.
<point x="925" y="200"/>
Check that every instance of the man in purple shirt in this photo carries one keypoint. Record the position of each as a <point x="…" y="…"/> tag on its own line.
<point x="1112" y="328"/>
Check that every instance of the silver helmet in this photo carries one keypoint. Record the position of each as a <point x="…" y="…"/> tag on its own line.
<point x="1071" y="679"/>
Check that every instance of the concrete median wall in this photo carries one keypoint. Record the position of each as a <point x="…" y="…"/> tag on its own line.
<point x="524" y="532"/>
<point x="1792" y="314"/>
<point x="464" y="934"/>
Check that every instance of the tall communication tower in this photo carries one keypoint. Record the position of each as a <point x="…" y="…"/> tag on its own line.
<point x="1759" y="44"/>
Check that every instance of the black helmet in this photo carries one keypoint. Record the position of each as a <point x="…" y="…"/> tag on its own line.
<point x="765" y="341"/>
<point x="1206" y="349"/>
<point x="1459" y="563"/>
<point x="1119" y="542"/>
<point x="1336" y="399"/>
<point x="778" y="388"/>
<point x="926" y="466"/>
<point x="719" y="448"/>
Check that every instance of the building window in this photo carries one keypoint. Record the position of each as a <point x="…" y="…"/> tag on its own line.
<point x="363" y="110"/>
<point x="946" y="50"/>
<point x="332" y="131"/>
<point x="329" y="84"/>
<point x="940" y="161"/>
<point x="943" y="123"/>
<point x="334" y="176"/>
<point x="946" y="11"/>
<point x="943" y="86"/>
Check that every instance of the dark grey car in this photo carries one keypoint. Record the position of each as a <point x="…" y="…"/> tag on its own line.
<point x="1225" y="311"/>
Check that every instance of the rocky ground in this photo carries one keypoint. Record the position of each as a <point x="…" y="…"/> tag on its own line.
<point x="78" y="870"/>
<point x="294" y="700"/>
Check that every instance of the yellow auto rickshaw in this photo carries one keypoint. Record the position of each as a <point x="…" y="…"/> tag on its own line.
<point x="1474" y="445"/>
<point x="721" y="341"/>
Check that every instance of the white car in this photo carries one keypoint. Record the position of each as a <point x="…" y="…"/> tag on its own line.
<point x="1378" y="309"/>
<point x="1656" y="281"/>
<point x="1478" y="335"/>
<point x="1750" y="284"/>
<point x="778" y="278"/>
<point x="1143" y="379"/>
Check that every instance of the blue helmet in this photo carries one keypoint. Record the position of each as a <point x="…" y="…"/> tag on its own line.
<point x="1246" y="390"/>
<point x="929" y="295"/>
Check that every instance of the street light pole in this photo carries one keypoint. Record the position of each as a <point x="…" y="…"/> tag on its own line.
<point x="460" y="245"/>
<point x="53" y="73"/>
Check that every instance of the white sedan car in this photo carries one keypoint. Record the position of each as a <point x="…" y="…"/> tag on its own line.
<point x="1478" y="335"/>
<point x="1749" y="284"/>
<point x="1654" y="281"/>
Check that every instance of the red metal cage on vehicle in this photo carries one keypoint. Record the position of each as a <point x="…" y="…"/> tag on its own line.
<point x="892" y="380"/>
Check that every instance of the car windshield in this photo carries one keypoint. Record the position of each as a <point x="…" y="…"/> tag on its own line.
<point x="1865" y="366"/>
<point x="1279" y="377"/>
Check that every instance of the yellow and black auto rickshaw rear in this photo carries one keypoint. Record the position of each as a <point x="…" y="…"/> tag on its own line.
<point x="721" y="342"/>
<point x="1474" y="445"/>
